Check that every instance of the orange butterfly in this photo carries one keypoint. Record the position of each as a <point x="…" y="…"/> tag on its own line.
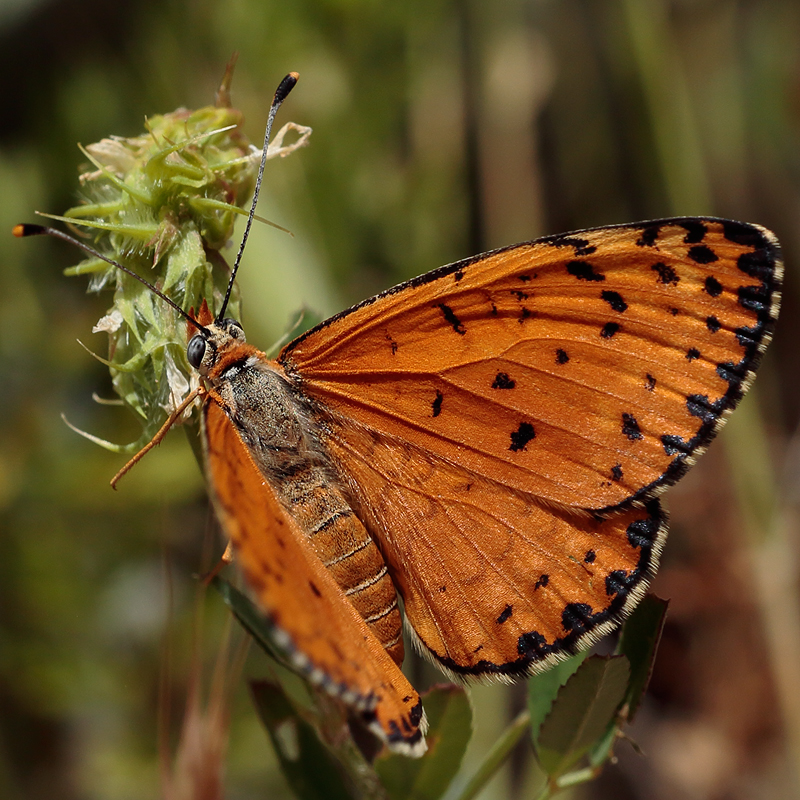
<point x="485" y="442"/>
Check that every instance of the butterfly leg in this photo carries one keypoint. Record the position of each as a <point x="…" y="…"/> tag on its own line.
<point x="225" y="559"/>
<point x="162" y="432"/>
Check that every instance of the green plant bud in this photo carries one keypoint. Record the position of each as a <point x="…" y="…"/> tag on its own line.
<point x="164" y="204"/>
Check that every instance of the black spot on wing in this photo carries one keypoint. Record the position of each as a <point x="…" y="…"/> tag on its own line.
<point x="584" y="271"/>
<point x="452" y="319"/>
<point x="692" y="353"/>
<point x="541" y="582"/>
<point x="630" y="427"/>
<point x="649" y="235"/>
<point x="410" y="733"/>
<point x="713" y="324"/>
<point x="734" y="374"/>
<point x="642" y="533"/>
<point x="616" y="473"/>
<point x="505" y="614"/>
<point x="749" y="337"/>
<point x="520" y="437"/>
<point x="760" y="264"/>
<point x="581" y="246"/>
<point x="503" y="381"/>
<point x="519" y="294"/>
<point x="650" y="383"/>
<point x="615" y="300"/>
<point x="712" y="286"/>
<point x="702" y="254"/>
<point x="695" y="231"/>
<point x="436" y="405"/>
<point x="561" y="356"/>
<point x="524" y="314"/>
<point x="744" y="234"/>
<point x="532" y="646"/>
<point x="698" y="405"/>
<point x="589" y="557"/>
<point x="675" y="445"/>
<point x="609" y="330"/>
<point x="666" y="274"/>
<point x="458" y="275"/>
<point x="755" y="298"/>
<point x="576" y="617"/>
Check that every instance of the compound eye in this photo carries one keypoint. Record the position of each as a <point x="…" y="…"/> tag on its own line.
<point x="195" y="350"/>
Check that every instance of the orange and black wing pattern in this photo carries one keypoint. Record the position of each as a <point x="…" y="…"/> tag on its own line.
<point x="587" y="369"/>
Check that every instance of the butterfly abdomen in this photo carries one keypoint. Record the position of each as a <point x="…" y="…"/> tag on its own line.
<point x="344" y="546"/>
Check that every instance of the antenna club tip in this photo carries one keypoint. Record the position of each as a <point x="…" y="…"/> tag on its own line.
<point x="24" y="229"/>
<point x="286" y="86"/>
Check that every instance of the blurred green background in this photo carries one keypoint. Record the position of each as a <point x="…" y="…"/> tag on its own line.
<point x="440" y="129"/>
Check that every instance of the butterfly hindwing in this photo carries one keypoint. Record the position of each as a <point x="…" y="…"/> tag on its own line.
<point x="494" y="583"/>
<point x="587" y="369"/>
<point x="314" y="622"/>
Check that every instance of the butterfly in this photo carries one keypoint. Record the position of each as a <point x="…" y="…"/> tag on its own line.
<point x="485" y="443"/>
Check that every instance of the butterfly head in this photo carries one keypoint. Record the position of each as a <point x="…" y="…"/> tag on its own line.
<point x="207" y="347"/>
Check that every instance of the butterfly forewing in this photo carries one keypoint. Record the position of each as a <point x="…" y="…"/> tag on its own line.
<point x="314" y="622"/>
<point x="586" y="369"/>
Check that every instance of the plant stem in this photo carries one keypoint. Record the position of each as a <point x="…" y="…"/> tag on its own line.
<point x="497" y="755"/>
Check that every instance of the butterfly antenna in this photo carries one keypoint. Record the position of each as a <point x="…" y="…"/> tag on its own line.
<point x="28" y="229"/>
<point x="281" y="93"/>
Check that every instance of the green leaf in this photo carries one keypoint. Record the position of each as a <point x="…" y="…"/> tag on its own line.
<point x="543" y="688"/>
<point x="309" y="767"/>
<point x="638" y="641"/>
<point x="582" y="712"/>
<point x="449" y="730"/>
